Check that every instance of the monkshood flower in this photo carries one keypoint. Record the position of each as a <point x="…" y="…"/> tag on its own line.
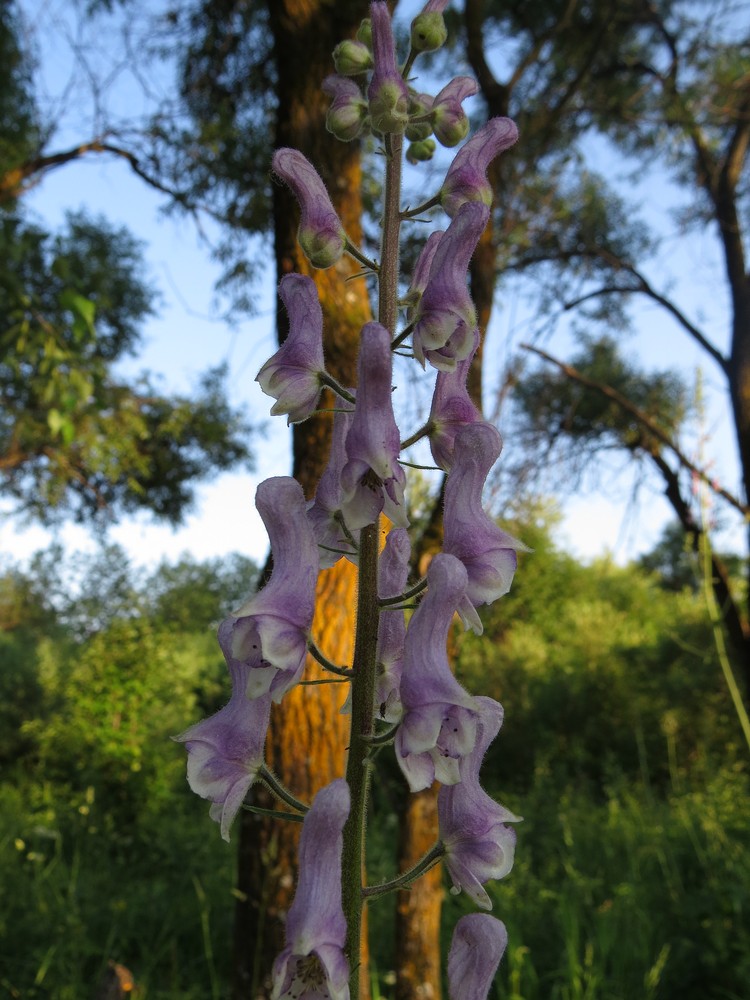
<point x="352" y="57"/>
<point x="225" y="751"/>
<point x="292" y="375"/>
<point x="452" y="408"/>
<point x="466" y="179"/>
<point x="268" y="634"/>
<point x="313" y="965"/>
<point x="440" y="718"/>
<point x="473" y="827"/>
<point x="421" y="274"/>
<point x="320" y="232"/>
<point x="372" y="479"/>
<point x="388" y="94"/>
<point x="488" y="553"/>
<point x="348" y="111"/>
<point x="324" y="512"/>
<point x="449" y="120"/>
<point x="428" y="31"/>
<point x="393" y="572"/>
<point x="446" y="317"/>
<point x="479" y="942"/>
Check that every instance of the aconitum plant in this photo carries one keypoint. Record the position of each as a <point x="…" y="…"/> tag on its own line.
<point x="402" y="693"/>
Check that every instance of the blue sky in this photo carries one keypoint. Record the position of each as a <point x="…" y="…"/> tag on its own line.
<point x="186" y="337"/>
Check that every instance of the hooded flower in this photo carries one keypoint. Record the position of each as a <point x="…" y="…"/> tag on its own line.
<point x="225" y="751"/>
<point x="372" y="479"/>
<point x="440" y="718"/>
<point x="292" y="375"/>
<point x="421" y="274"/>
<point x="428" y="31"/>
<point x="348" y="111"/>
<point x="388" y="94"/>
<point x="466" y="179"/>
<point x="268" y="634"/>
<point x="313" y="965"/>
<point x="393" y="572"/>
<point x="452" y="408"/>
<point x="325" y="512"/>
<point x="446" y="317"/>
<point x="449" y="121"/>
<point x="320" y="232"/>
<point x="478" y="944"/>
<point x="488" y="553"/>
<point x="479" y="845"/>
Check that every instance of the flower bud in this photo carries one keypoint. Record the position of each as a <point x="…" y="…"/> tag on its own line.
<point x="420" y="106"/>
<point x="388" y="94"/>
<point x="420" y="152"/>
<point x="449" y="120"/>
<point x="364" y="32"/>
<point x="352" y="58"/>
<point x="348" y="111"/>
<point x="320" y="232"/>
<point x="428" y="32"/>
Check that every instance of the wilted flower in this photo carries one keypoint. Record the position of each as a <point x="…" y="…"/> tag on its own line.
<point x="225" y="751"/>
<point x="372" y="479"/>
<point x="313" y="965"/>
<point x="478" y="944"/>
<point x="488" y="553"/>
<point x="269" y="632"/>
<point x="320" y="232"/>
<point x="292" y="375"/>
<point x="466" y="180"/>
<point x="473" y="827"/>
<point x="440" y="718"/>
<point x="388" y="94"/>
<point x="446" y="317"/>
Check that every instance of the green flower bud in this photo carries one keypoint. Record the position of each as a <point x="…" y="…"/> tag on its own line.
<point x="418" y="131"/>
<point x="428" y="32"/>
<point x="388" y="108"/>
<point x="352" y="58"/>
<point x="364" y="32"/>
<point x="420" y="152"/>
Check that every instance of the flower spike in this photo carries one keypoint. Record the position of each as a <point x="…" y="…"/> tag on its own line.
<point x="320" y="232"/>
<point x="479" y="942"/>
<point x="269" y="632"/>
<point x="313" y="964"/>
<point x="466" y="179"/>
<point x="292" y="375"/>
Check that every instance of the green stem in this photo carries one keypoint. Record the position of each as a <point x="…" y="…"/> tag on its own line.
<point x="411" y="592"/>
<point x="423" y="431"/>
<point x="323" y="660"/>
<point x="404" y="880"/>
<point x="270" y="780"/>
<point x="326" y="379"/>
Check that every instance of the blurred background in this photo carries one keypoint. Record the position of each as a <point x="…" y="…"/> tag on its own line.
<point x="142" y="239"/>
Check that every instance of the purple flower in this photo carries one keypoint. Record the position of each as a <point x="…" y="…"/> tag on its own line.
<point x="324" y="512"/>
<point x="292" y="375"/>
<point x="313" y="965"/>
<point x="421" y="274"/>
<point x="428" y="31"/>
<point x="446" y="317"/>
<point x="452" y="408"/>
<point x="478" y="944"/>
<point x="268" y="634"/>
<point x="320" y="232"/>
<point x="488" y="553"/>
<point x="479" y="845"/>
<point x="440" y="718"/>
<point x="372" y="479"/>
<point x="466" y="179"/>
<point x="225" y="751"/>
<point x="348" y="111"/>
<point x="393" y="572"/>
<point x="449" y="120"/>
<point x="388" y="94"/>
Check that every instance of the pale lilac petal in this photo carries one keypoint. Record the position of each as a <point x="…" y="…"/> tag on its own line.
<point x="439" y="722"/>
<point x="313" y="964"/>
<point x="446" y="317"/>
<point x="421" y="274"/>
<point x="393" y="572"/>
<point x="292" y="375"/>
<point x="388" y="94"/>
<point x="487" y="552"/>
<point x="449" y="121"/>
<point x="320" y="232"/>
<point x="452" y="408"/>
<point x="372" y="479"/>
<point x="473" y="827"/>
<point x="269" y="631"/>
<point x="324" y="511"/>
<point x="478" y="944"/>
<point x="466" y="180"/>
